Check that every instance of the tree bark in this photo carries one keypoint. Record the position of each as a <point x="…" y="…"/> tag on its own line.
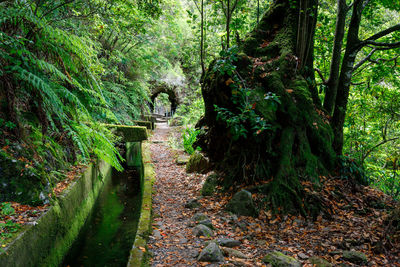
<point x="332" y="83"/>
<point x="298" y="144"/>
<point x="343" y="89"/>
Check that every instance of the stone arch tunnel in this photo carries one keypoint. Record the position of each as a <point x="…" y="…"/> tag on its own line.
<point x="172" y="97"/>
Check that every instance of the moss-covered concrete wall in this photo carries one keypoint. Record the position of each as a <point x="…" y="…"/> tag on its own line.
<point x="130" y="133"/>
<point x="46" y="243"/>
<point x="134" y="154"/>
<point x="144" y="226"/>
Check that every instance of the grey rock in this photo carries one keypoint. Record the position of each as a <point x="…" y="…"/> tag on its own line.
<point x="233" y="253"/>
<point x="194" y="253"/>
<point x="192" y="204"/>
<point x="319" y="262"/>
<point x="182" y="160"/>
<point x="209" y="185"/>
<point x="183" y="240"/>
<point x="278" y="259"/>
<point x="207" y="222"/>
<point x="211" y="253"/>
<point x="199" y="217"/>
<point x="228" y="242"/>
<point x="302" y="256"/>
<point x="157" y="234"/>
<point x="261" y="242"/>
<point x="202" y="230"/>
<point x="197" y="163"/>
<point x="242" y="204"/>
<point x="355" y="256"/>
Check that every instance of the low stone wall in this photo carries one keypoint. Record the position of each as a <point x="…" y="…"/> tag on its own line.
<point x="46" y="243"/>
<point x="144" y="226"/>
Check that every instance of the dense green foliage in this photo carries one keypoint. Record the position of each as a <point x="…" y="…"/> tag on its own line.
<point x="371" y="127"/>
<point x="66" y="68"/>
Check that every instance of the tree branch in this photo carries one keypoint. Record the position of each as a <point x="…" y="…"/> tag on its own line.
<point x="378" y="145"/>
<point x="198" y="8"/>
<point x="224" y="8"/>
<point x="324" y="81"/>
<point x="361" y="62"/>
<point x="384" y="32"/>
<point x="57" y="7"/>
<point x="388" y="45"/>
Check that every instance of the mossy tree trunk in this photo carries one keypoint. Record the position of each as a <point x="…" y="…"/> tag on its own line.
<point x="296" y="146"/>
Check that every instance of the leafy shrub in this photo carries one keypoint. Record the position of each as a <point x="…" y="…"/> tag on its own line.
<point x="6" y="209"/>
<point x="7" y="227"/>
<point x="190" y="112"/>
<point x="244" y="120"/>
<point x="189" y="137"/>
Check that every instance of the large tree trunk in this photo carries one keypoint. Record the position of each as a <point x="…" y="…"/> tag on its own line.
<point x="275" y="58"/>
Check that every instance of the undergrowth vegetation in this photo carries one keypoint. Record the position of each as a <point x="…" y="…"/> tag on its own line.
<point x="66" y="68"/>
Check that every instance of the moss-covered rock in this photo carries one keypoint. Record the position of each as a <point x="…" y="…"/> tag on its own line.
<point x="278" y="259"/>
<point x="197" y="163"/>
<point x="209" y="185"/>
<point x="242" y="204"/>
<point x="202" y="230"/>
<point x="355" y="257"/>
<point x="211" y="253"/>
<point x="319" y="262"/>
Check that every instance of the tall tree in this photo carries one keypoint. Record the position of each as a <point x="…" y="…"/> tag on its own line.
<point x="342" y="67"/>
<point x="268" y="124"/>
<point x="264" y="121"/>
<point x="228" y="8"/>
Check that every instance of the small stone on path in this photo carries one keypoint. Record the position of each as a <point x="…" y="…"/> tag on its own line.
<point x="207" y="222"/>
<point x="278" y="259"/>
<point x="302" y="256"/>
<point x="211" y="253"/>
<point x="233" y="253"/>
<point x="199" y="217"/>
<point x="157" y="234"/>
<point x="242" y="204"/>
<point x="355" y="257"/>
<point x="228" y="242"/>
<point x="192" y="204"/>
<point x="202" y="230"/>
<point x="319" y="262"/>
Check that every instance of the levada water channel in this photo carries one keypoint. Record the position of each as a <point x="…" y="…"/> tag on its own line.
<point x="109" y="232"/>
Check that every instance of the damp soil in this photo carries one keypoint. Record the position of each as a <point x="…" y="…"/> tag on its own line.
<point x="109" y="232"/>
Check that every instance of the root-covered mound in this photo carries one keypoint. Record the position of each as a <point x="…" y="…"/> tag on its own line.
<point x="263" y="123"/>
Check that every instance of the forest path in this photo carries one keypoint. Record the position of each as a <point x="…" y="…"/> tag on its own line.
<point x="173" y="188"/>
<point x="355" y="223"/>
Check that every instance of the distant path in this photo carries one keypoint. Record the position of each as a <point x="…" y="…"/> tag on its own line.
<point x="173" y="187"/>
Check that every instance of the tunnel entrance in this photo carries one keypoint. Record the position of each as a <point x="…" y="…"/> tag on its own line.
<point x="164" y="102"/>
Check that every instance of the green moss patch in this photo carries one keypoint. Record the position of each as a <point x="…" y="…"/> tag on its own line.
<point x="138" y="250"/>
<point x="147" y="124"/>
<point x="130" y="133"/>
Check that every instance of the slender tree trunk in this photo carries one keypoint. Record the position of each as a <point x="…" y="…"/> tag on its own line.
<point x="343" y="88"/>
<point x="228" y="22"/>
<point x="258" y="11"/>
<point x="203" y="69"/>
<point x="332" y="83"/>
